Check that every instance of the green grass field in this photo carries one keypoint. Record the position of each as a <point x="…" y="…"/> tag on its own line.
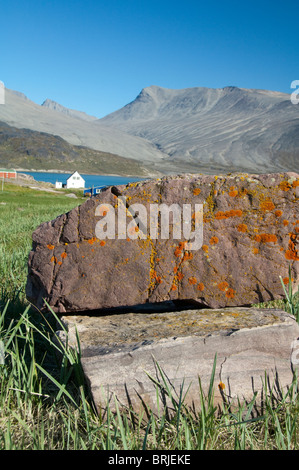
<point x="44" y="401"/>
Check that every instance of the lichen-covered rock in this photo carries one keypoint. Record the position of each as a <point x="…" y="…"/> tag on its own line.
<point x="250" y="237"/>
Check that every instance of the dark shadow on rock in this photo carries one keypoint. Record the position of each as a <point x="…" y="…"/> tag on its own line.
<point x="159" y="307"/>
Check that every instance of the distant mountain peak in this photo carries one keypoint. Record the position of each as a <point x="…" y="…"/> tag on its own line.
<point x="48" y="103"/>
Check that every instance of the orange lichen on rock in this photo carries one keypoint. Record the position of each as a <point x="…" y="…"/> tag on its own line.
<point x="255" y="251"/>
<point x="286" y="280"/>
<point x="50" y="247"/>
<point x="221" y="386"/>
<point x="223" y="286"/>
<point x="226" y="214"/>
<point x="180" y="276"/>
<point x="220" y="215"/>
<point x="233" y="192"/>
<point x="266" y="238"/>
<point x="200" y="286"/>
<point x="187" y="256"/>
<point x="295" y="183"/>
<point x="214" y="240"/>
<point x="177" y="252"/>
<point x="292" y="252"/>
<point x="243" y="192"/>
<point x="267" y="206"/>
<point x="179" y="249"/>
<point x="192" y="280"/>
<point x="242" y="228"/>
<point x="205" y="248"/>
<point x="63" y="255"/>
<point x="230" y="293"/>
<point x="278" y="213"/>
<point x="153" y="275"/>
<point x="285" y="223"/>
<point x="235" y="213"/>
<point x="293" y="237"/>
<point x="196" y="191"/>
<point x="292" y="255"/>
<point x="102" y="243"/>
<point x="285" y="186"/>
<point x="92" y="240"/>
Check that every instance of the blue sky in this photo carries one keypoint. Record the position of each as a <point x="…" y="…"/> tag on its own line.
<point x="96" y="56"/>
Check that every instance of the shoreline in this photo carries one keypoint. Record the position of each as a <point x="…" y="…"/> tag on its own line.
<point x="29" y="180"/>
<point x="23" y="170"/>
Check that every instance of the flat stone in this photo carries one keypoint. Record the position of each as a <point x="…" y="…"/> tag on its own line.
<point x="120" y="350"/>
<point x="250" y="239"/>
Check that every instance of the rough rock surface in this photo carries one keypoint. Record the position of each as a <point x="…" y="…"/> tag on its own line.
<point x="250" y="237"/>
<point x="120" y="350"/>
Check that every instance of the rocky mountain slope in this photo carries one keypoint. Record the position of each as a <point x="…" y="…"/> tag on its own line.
<point x="214" y="129"/>
<point x="50" y="104"/>
<point x="20" y="112"/>
<point x="27" y="149"/>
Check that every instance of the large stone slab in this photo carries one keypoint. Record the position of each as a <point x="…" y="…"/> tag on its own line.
<point x="250" y="238"/>
<point x="120" y="350"/>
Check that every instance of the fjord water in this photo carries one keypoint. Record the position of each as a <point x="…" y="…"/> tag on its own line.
<point x="90" y="180"/>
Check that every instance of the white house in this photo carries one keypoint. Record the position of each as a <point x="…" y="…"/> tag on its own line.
<point x="58" y="184"/>
<point x="75" y="181"/>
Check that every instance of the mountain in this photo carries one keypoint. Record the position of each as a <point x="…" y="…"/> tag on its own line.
<point x="27" y="149"/>
<point x="212" y="130"/>
<point x="50" y="104"/>
<point x="20" y="112"/>
<point x="175" y="131"/>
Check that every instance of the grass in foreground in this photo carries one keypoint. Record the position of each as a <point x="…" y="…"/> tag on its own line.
<point x="44" y="402"/>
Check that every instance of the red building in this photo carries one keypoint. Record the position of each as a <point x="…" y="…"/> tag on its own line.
<point x="7" y="173"/>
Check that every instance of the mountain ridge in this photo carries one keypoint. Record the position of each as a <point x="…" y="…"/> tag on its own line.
<point x="191" y="130"/>
<point x="69" y="112"/>
<point x="21" y="112"/>
<point x="230" y="127"/>
<point x="33" y="150"/>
